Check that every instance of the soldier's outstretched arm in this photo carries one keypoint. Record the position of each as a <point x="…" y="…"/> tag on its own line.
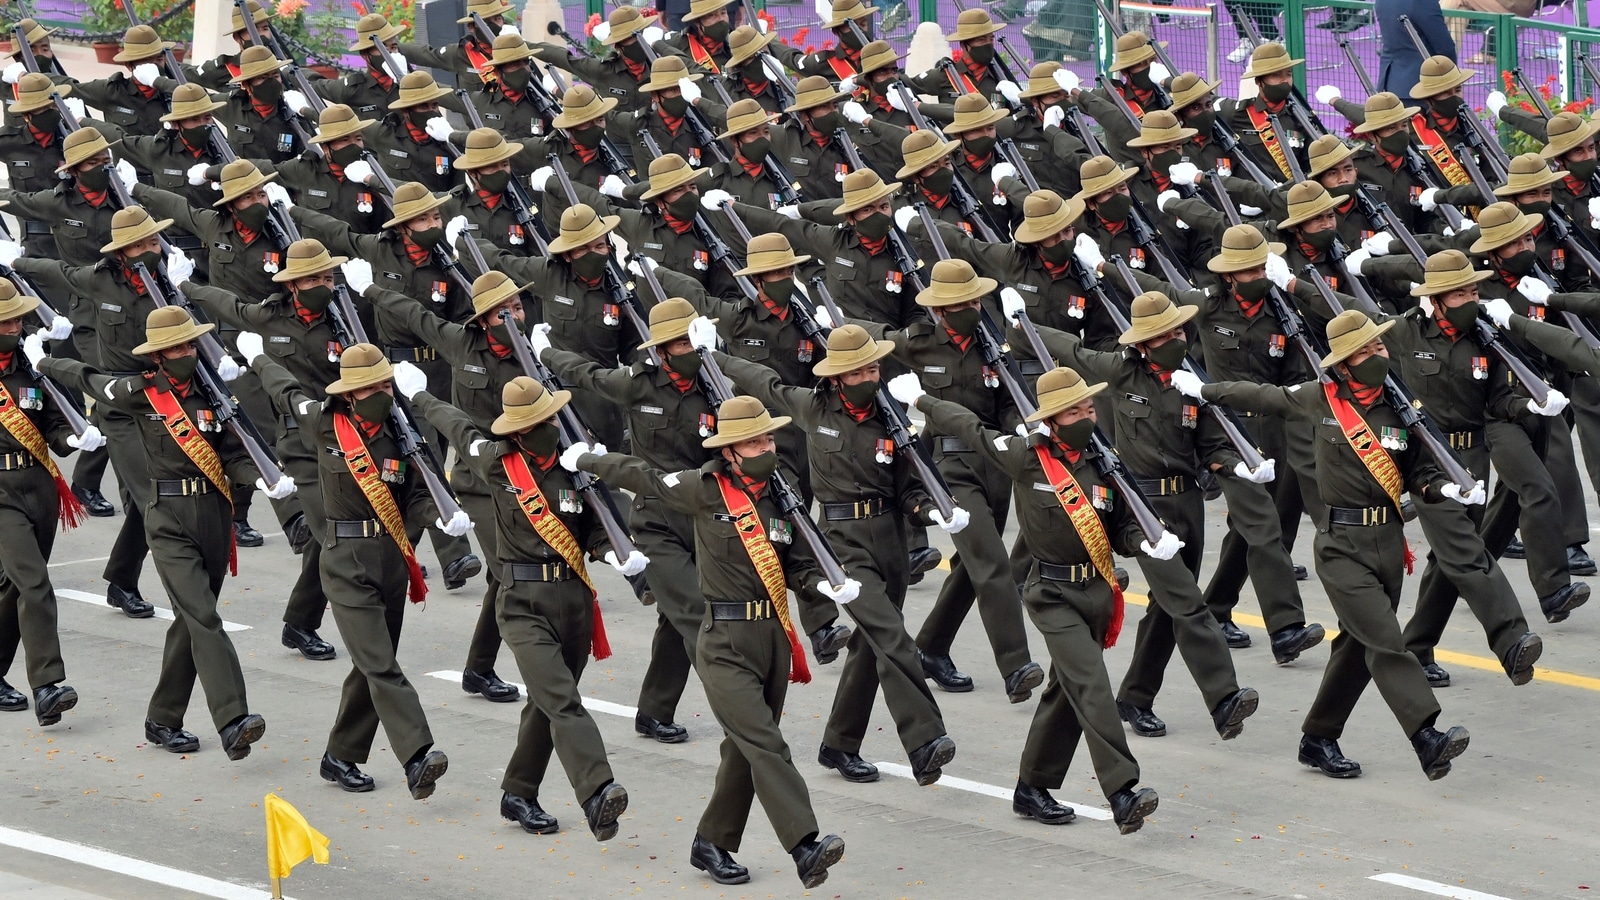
<point x="478" y="450"/>
<point x="679" y="490"/>
<point x="227" y="307"/>
<point x="1097" y="365"/>
<point x="1556" y="341"/>
<point x="1004" y="450"/>
<point x="584" y="374"/>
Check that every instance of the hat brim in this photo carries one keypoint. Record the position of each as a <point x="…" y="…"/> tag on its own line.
<point x="719" y="440"/>
<point x="933" y="154"/>
<point x="467" y="20"/>
<point x="516" y="289"/>
<point x="358" y="125"/>
<point x="823" y="369"/>
<point x="543" y="411"/>
<point x="1282" y="65"/>
<point x="989" y="118"/>
<point x="1333" y="359"/>
<point x="388" y="32"/>
<point x="1201" y="88"/>
<point x="567" y="120"/>
<point x="1550" y="151"/>
<point x="1422" y="92"/>
<point x="984" y="287"/>
<point x="1184" y="134"/>
<point x="732" y="132"/>
<point x="883" y="191"/>
<point x="1222" y="266"/>
<point x="674" y="335"/>
<point x="1344" y="153"/>
<point x="603" y="225"/>
<point x="156" y="50"/>
<point x="381" y="373"/>
<point x="1509" y="190"/>
<point x="693" y="15"/>
<point x="1045" y="410"/>
<point x="749" y="51"/>
<point x="1143" y="54"/>
<point x="1033" y="231"/>
<point x="434" y="202"/>
<point x="1123" y="175"/>
<point x="505" y="151"/>
<point x="1406" y="114"/>
<point x="866" y="13"/>
<point x="211" y="107"/>
<point x="18" y="307"/>
<point x="1481" y="245"/>
<point x="258" y="182"/>
<point x="194" y="333"/>
<point x="258" y="70"/>
<point x="1433" y="290"/>
<point x="1139" y="333"/>
<point x="689" y="175"/>
<point x="970" y="34"/>
<point x="287" y="274"/>
<point x="880" y="63"/>
<point x="790" y="262"/>
<point x="799" y="107"/>
<point x="439" y="91"/>
<point x="614" y="38"/>
<point x="1329" y="204"/>
<point x="151" y="228"/>
<point x="67" y="164"/>
<point x="60" y="90"/>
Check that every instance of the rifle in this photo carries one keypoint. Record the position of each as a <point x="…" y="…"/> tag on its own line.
<point x="297" y="122"/>
<point x="961" y="192"/>
<point x="579" y="50"/>
<point x="1298" y="107"/>
<point x="20" y="38"/>
<point x="173" y="69"/>
<point x="1229" y="144"/>
<point x="526" y="213"/>
<point x="948" y="67"/>
<point x="441" y="254"/>
<point x="616" y="284"/>
<point x="1473" y="131"/>
<point x="1119" y="101"/>
<point x="47" y="315"/>
<point x="1010" y="153"/>
<point x="720" y="252"/>
<point x="1296" y="173"/>
<point x="1146" y="237"/>
<point x="1527" y="88"/>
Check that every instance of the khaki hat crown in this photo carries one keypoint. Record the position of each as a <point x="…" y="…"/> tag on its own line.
<point x="1188" y="88"/>
<point x="670" y="171"/>
<point x="742" y="418"/>
<point x="82" y="145"/>
<point x="339" y="121"/>
<point x="863" y="187"/>
<point x="848" y="9"/>
<point x="1500" y="224"/>
<point x="745" y="42"/>
<point x="1348" y="332"/>
<point x="1446" y="271"/>
<point x="744" y="115"/>
<point x="954" y="281"/>
<point x="973" y="23"/>
<point x="257" y="12"/>
<point x="1269" y="58"/>
<point x="307" y="257"/>
<point x="1100" y="174"/>
<point x="132" y="225"/>
<point x="12" y="304"/>
<point x="238" y="178"/>
<point x="1384" y="109"/>
<point x="581" y="104"/>
<point x="412" y="199"/>
<point x="190" y="100"/>
<point x="486" y="8"/>
<point x="525" y="403"/>
<point x="33" y="92"/>
<point x="814" y="91"/>
<point x="256" y="61"/>
<point x="416" y="88"/>
<point x="361" y="365"/>
<point x="491" y="289"/>
<point x="33" y="31"/>
<point x="1154" y="314"/>
<point x="509" y="48"/>
<point x="850" y="348"/>
<point x="1566" y="131"/>
<point x="669" y="320"/>
<point x="169" y="326"/>
<point x="1326" y="152"/>
<point x="1439" y="74"/>
<point x="485" y="147"/>
<point x="373" y="24"/>
<point x="1160" y="127"/>
<point x="878" y="55"/>
<point x="1307" y="200"/>
<point x="665" y="73"/>
<point x="1060" y="388"/>
<point x="625" y="22"/>
<point x="1042" y="80"/>
<point x="1243" y="247"/>
<point x="1045" y="213"/>
<point x="581" y="225"/>
<point x="141" y="42"/>
<point x="921" y="149"/>
<point x="972" y="111"/>
<point x="1527" y="172"/>
<point x="1132" y="49"/>
<point x="768" y="253"/>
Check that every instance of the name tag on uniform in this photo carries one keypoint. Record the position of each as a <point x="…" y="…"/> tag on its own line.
<point x="564" y="301"/>
<point x="110" y="307"/>
<point x="1135" y="398"/>
<point x="316" y="193"/>
<point x="841" y="261"/>
<point x="75" y="223"/>
<point x="477" y="370"/>
<point x="493" y="117"/>
<point x="754" y="342"/>
<point x="172" y="171"/>
<point x="618" y="92"/>
<point x="1030" y="288"/>
<point x="933" y="370"/>
<point x="225" y="248"/>
<point x="830" y="432"/>
<point x="392" y="276"/>
<point x="125" y="111"/>
<point x="400" y="153"/>
<point x="367" y="108"/>
<point x="1424" y="355"/>
<point x="650" y="246"/>
<point x="653" y="410"/>
<point x="280" y="339"/>
<point x="1225" y="332"/>
<point x="244" y="129"/>
<point x="18" y="163"/>
<point x="1041" y="486"/>
<point x="800" y="160"/>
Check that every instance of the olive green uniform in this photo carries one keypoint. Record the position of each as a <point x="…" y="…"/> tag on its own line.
<point x="123" y="104"/>
<point x="405" y="158"/>
<point x="31" y="169"/>
<point x="252" y="135"/>
<point x="608" y="75"/>
<point x="368" y="91"/>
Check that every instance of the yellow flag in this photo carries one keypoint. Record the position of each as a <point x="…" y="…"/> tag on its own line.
<point x="290" y="838"/>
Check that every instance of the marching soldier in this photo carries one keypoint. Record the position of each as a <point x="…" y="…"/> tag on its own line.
<point x="490" y="162"/>
<point x="663" y="113"/>
<point x="1053" y="154"/>
<point x="215" y="73"/>
<point x="745" y="72"/>
<point x="257" y="110"/>
<point x="32" y="146"/>
<point x="1108" y="194"/>
<point x="75" y="207"/>
<point x="704" y="37"/>
<point x="370" y="91"/>
<point x="1134" y="59"/>
<point x="406" y="143"/>
<point x="1272" y="70"/>
<point x="747" y="651"/>
<point x="1387" y="124"/>
<point x="334" y="181"/>
<point x="506" y="102"/>
<point x="621" y="73"/>
<point x="178" y="156"/>
<point x="468" y="58"/>
<point x="135" y="100"/>
<point x="38" y="38"/>
<point x="880" y="72"/>
<point x="972" y="65"/>
<point x="751" y="133"/>
<point x="843" y="59"/>
<point x="188" y="519"/>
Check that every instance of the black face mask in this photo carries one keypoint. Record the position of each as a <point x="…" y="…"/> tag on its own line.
<point x="1115" y="209"/>
<point x="759" y="467"/>
<point x="500" y="330"/>
<point x="1057" y="254"/>
<point x="45" y="120"/>
<point x="675" y="106"/>
<point x="982" y="54"/>
<point x="754" y="73"/>
<point x="95" y="179"/>
<point x="9" y="342"/>
<point x="881" y="88"/>
<point x="315" y="299"/>
<point x="1519" y="263"/>
<point x="148" y="259"/>
<point x="589" y="266"/>
<point x="1320" y="241"/>
<point x="1253" y="291"/>
<point x="253" y="217"/>
<point x="427" y="238"/>
<point x="1169" y="355"/>
<point x="635" y="51"/>
<point x="1277" y="93"/>
<point x="1371" y="371"/>
<point x="684" y="208"/>
<point x="198" y="136"/>
<point x="1447" y="107"/>
<point x="979" y="147"/>
<point x="588" y="138"/>
<point x="1395" y="144"/>
<point x="346" y="155"/>
<point x="180" y="368"/>
<point x="716" y="31"/>
<point x="419" y="117"/>
<point x="1165" y="160"/>
<point x="1141" y="79"/>
<point x="1582" y="169"/>
<point x="541" y="440"/>
<point x="268" y="92"/>
<point x="828" y="123"/>
<point x="1462" y="316"/>
<point x="1536" y="208"/>
<point x="1077" y="435"/>
<point x="938" y="184"/>
<point x="373" y="408"/>
<point x="1344" y="191"/>
<point x="755" y="150"/>
<point x="494" y="182"/>
<point x="859" y="394"/>
<point x="875" y="226"/>
<point x="687" y="365"/>
<point x="1202" y="121"/>
<point x="849" y="39"/>
<point x="516" y="80"/>
<point x="963" y="321"/>
<point x="778" y="291"/>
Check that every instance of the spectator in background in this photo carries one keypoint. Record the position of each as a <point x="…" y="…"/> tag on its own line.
<point x="1458" y="26"/>
<point x="1399" y="62"/>
<point x="1266" y="21"/>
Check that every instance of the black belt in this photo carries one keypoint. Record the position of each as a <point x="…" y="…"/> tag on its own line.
<point x="34" y="226"/>
<point x="1030" y="367"/>
<point x="184" y="487"/>
<point x="859" y="509"/>
<point x="1078" y="574"/>
<point x="1366" y="515"/>
<point x="953" y="445"/>
<point x="185" y="241"/>
<point x="1163" y="487"/>
<point x="753" y="611"/>
<point x="555" y="571"/>
<point x="412" y="354"/>
<point x="290" y="422"/>
<point x="356" y="528"/>
<point x="22" y="459"/>
<point x="1464" y="440"/>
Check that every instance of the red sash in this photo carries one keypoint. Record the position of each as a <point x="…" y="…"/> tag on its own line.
<point x="1090" y="530"/>
<point x="1443" y="160"/>
<point x="552" y="531"/>
<point x="762" y="555"/>
<point x="200" y="452"/>
<point x="22" y="429"/>
<point x="1269" y="138"/>
<point x="479" y="60"/>
<point x="960" y="82"/>
<point x="841" y="66"/>
<point x="1368" y="450"/>
<point x="702" y="56"/>
<point x="359" y="460"/>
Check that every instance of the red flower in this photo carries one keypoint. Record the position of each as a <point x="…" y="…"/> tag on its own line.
<point x="359" y="7"/>
<point x="589" y="26"/>
<point x="1544" y="90"/>
<point x="1526" y="105"/>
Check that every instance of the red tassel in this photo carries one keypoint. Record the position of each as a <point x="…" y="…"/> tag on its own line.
<point x="598" y="644"/>
<point x="1114" y="630"/>
<point x="70" y="509"/>
<point x="799" y="672"/>
<point x="1411" y="558"/>
<point x="233" y="551"/>
<point x="418" y="590"/>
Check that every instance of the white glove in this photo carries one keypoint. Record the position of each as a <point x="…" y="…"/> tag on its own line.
<point x="33" y="349"/>
<point x="197" y="174"/>
<point x="1466" y="226"/>
<point x="510" y="29"/>
<point x="60" y="329"/>
<point x="570" y="456"/>
<point x="652" y="34"/>
<point x="146" y="74"/>
<point x="1553" y="404"/>
<point x="1166" y="548"/>
<point x="896" y="100"/>
<point x="1165" y="197"/>
<point x="13" y="73"/>
<point x="1594" y="212"/>
<point x="847" y="84"/>
<point x="1327" y="94"/>
<point x="279" y="491"/>
<point x="541" y="178"/>
<point x="1537" y="292"/>
<point x="1498" y="311"/>
<point x="75" y="106"/>
<point x="396" y="66"/>
<point x="603" y="31"/>
<point x="1249" y="211"/>
<point x="1495" y="102"/>
<point x="454" y="228"/>
<point x="1474" y="497"/>
<point x="1428" y="199"/>
<point x="1067" y="80"/>
<point x="179" y="266"/>
<point x="825" y="318"/>
<point x="1187" y="383"/>
<point x="1088" y="253"/>
<point x="250" y="345"/>
<point x="126" y="173"/>
<point x="1159" y="73"/>
<point x="1278" y="271"/>
<point x="762" y="25"/>
<point x="1010" y="91"/>
<point x="539" y="339"/>
<point x="1355" y="259"/>
<point x="1378" y="243"/>
<point x="277" y="193"/>
<point x="702" y="333"/>
<point x="358" y="275"/>
<point x="690" y="90"/>
<point x="1054" y="116"/>
<point x="548" y="83"/>
<point x="855" y="112"/>
<point x="458" y="525"/>
<point x="1183" y="173"/>
<point x="904" y="216"/>
<point x="846" y="592"/>
<point x="789" y="212"/>
<point x="9" y="251"/>
<point x="1011" y="302"/>
<point x="438" y="128"/>
<point x="90" y="441"/>
<point x="1002" y="170"/>
<point x="906" y="388"/>
<point x="612" y="186"/>
<point x="1426" y="305"/>
<point x="359" y="172"/>
<point x="227" y="369"/>
<point x="295" y="101"/>
<point x="629" y="567"/>
<point x="1262" y="475"/>
<point x="713" y="199"/>
<point x="409" y="380"/>
<point x="958" y="520"/>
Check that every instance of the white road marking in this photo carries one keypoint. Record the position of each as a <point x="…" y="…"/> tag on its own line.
<point x="1433" y="887"/>
<point x="161" y="613"/>
<point x="125" y="865"/>
<point x="76" y="562"/>
<point x="987" y="790"/>
<point x="593" y="704"/>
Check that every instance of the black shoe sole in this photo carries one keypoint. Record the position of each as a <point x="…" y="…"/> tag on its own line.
<point x="1038" y="817"/>
<point x="831" y="854"/>
<point x="512" y="697"/>
<point x="20" y="704"/>
<point x="743" y="878"/>
<point x="1238" y="643"/>
<point x="1456" y="746"/>
<point x="853" y="779"/>
<point x="941" y="758"/>
<point x="1249" y="700"/>
<point x="612" y="806"/>
<point x="240" y="747"/>
<point x="1144" y="809"/>
<point x="188" y="747"/>
<point x="1581" y="569"/>
<point x="1353" y="773"/>
<point x="66" y="702"/>
<point x="552" y="828"/>
<point x="458" y="580"/>
<point x="959" y="687"/>
<point x="255" y="540"/>
<point x="1024" y="688"/>
<point x="431" y="773"/>
<point x="1314" y="635"/>
<point x="1437" y="683"/>
<point x="1579" y="596"/>
<point x="1521" y="671"/>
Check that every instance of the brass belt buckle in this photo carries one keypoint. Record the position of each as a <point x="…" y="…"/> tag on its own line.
<point x="752" y="610"/>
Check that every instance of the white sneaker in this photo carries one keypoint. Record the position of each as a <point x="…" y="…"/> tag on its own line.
<point x="1241" y="51"/>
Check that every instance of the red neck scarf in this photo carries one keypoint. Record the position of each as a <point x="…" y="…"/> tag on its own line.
<point x="962" y="343"/>
<point x="782" y="312"/>
<point x="306" y="316"/>
<point x="418" y="256"/>
<point x="754" y="170"/>
<point x="875" y="247"/>
<point x="636" y="69"/>
<point x="684" y="385"/>
<point x="677" y="225"/>
<point x="1366" y="396"/>
<point x="498" y="349"/>
<point x="489" y="200"/>
<point x="859" y="413"/>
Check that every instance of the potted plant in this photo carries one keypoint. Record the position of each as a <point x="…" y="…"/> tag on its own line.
<point x="399" y="13"/>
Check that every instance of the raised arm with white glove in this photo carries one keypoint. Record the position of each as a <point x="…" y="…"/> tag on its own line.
<point x="357" y="275"/>
<point x="1536" y="291"/>
<point x="1088" y="253"/>
<point x="906" y="388"/>
<point x="60" y="329"/>
<point x="409" y="380"/>
<point x="1187" y="383"/>
<point x="702" y="333"/>
<point x="251" y="346"/>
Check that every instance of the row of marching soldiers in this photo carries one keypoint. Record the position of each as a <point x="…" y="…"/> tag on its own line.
<point x="316" y="289"/>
